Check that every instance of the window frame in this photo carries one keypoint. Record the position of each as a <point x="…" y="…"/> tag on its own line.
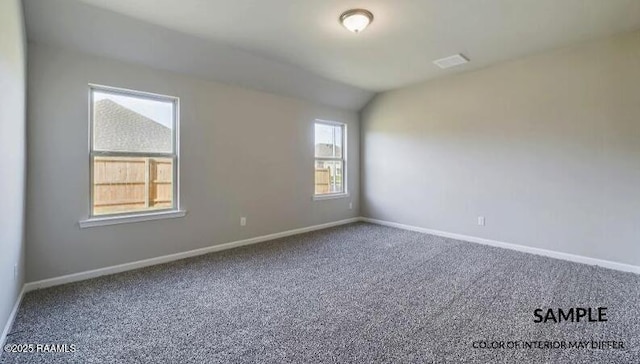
<point x="174" y="155"/>
<point x="343" y="159"/>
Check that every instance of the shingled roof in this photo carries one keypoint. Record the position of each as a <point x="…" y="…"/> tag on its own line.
<point x="117" y="128"/>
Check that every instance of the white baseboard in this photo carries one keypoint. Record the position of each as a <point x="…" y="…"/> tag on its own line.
<point x="521" y="248"/>
<point x="10" y="320"/>
<point x="75" y="277"/>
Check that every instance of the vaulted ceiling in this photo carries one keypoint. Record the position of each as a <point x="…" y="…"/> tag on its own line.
<point x="298" y="48"/>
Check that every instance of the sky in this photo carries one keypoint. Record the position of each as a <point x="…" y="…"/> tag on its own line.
<point x="324" y="134"/>
<point x="158" y="111"/>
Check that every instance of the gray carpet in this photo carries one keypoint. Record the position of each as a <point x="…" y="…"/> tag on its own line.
<point x="357" y="293"/>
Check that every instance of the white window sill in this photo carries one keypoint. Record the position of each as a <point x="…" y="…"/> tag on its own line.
<point x="330" y="196"/>
<point x="127" y="219"/>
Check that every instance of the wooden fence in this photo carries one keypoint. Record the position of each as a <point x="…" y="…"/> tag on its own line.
<point x="123" y="184"/>
<point x="323" y="180"/>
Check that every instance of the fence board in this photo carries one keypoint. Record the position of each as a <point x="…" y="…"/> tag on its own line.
<point x="123" y="184"/>
<point x="323" y="180"/>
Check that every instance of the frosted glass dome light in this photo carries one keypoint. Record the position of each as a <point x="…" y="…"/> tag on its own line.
<point x="356" y="20"/>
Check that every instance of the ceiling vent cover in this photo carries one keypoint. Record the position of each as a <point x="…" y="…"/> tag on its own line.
<point x="451" y="61"/>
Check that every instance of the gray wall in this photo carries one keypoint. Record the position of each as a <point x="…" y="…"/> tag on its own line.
<point x="547" y="148"/>
<point x="12" y="150"/>
<point x="243" y="153"/>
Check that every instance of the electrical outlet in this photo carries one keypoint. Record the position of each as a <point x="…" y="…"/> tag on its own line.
<point x="481" y="220"/>
<point x="243" y="221"/>
<point x="350" y="205"/>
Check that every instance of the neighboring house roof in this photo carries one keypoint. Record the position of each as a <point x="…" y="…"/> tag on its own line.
<point x="117" y="128"/>
<point x="326" y="150"/>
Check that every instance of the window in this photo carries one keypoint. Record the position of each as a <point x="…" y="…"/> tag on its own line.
<point x="330" y="159"/>
<point x="133" y="146"/>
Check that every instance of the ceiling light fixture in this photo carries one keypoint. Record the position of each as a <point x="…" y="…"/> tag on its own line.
<point x="356" y="19"/>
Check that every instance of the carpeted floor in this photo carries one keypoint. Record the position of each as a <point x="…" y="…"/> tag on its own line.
<point x="357" y="293"/>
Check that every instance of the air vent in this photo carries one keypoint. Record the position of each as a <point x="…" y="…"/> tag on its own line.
<point x="451" y="61"/>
